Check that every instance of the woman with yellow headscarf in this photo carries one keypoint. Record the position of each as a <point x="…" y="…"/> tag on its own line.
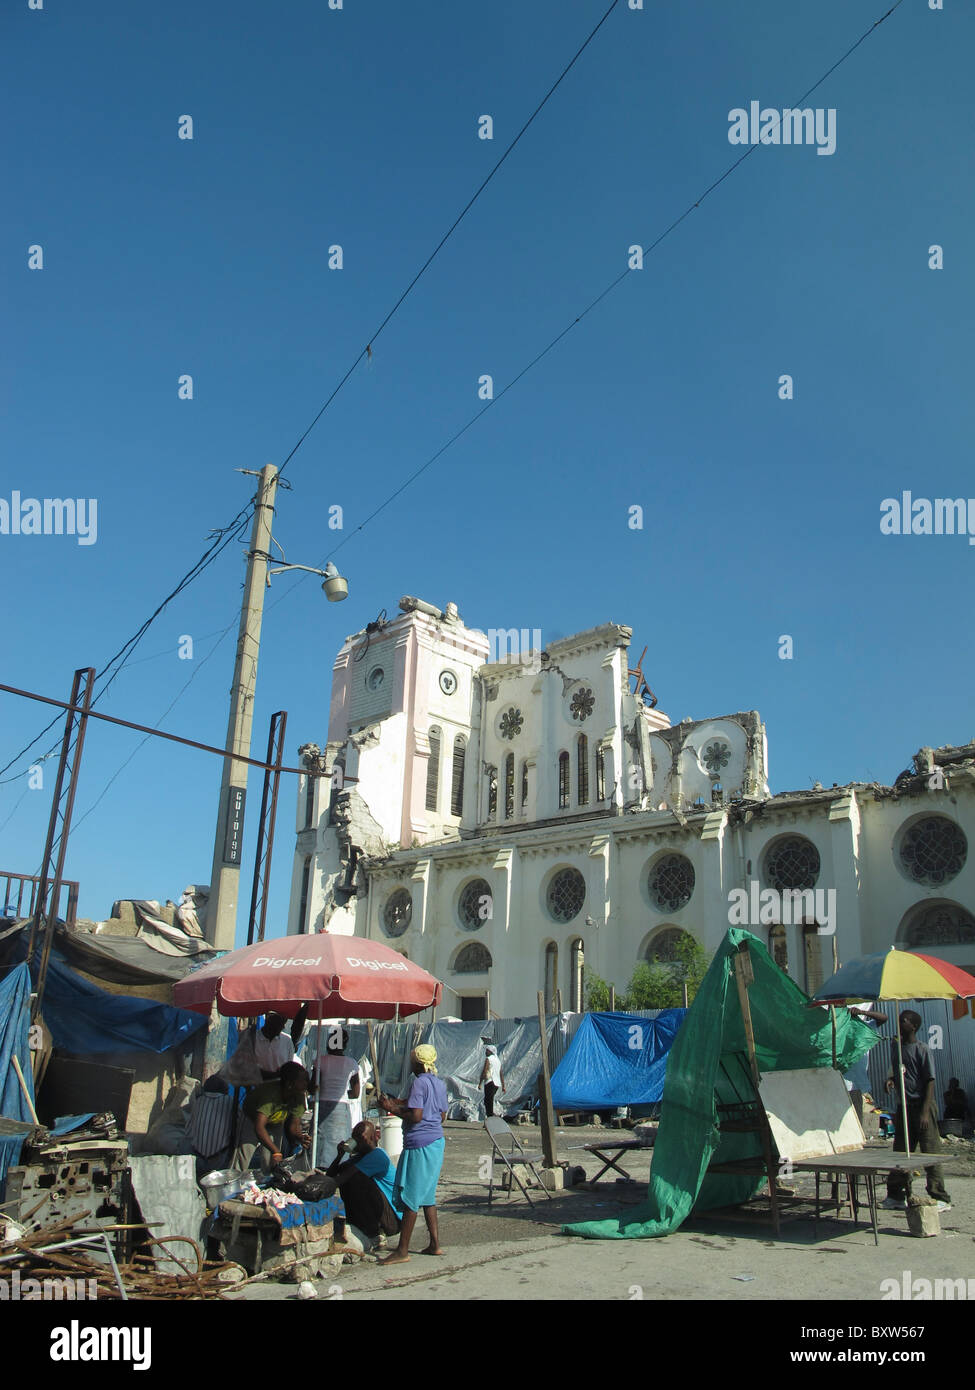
<point x="418" y="1171"/>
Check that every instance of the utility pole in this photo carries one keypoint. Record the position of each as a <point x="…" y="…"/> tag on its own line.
<point x="221" y="918"/>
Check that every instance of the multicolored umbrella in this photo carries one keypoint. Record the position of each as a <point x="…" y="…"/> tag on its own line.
<point x="896" y="975"/>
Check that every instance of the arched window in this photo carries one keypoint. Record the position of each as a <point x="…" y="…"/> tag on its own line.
<point x="664" y="948"/>
<point x="551" y="981"/>
<point x="779" y="947"/>
<point x="474" y="959"/>
<point x="524" y="785"/>
<point x="303" y="903"/>
<point x="582" y="769"/>
<point x="509" y="786"/>
<point x="576" y="968"/>
<point x="600" y="775"/>
<point x="457" y="777"/>
<point x="563" y="781"/>
<point x="309" y="801"/>
<point x="433" y="770"/>
<point x="815" y="959"/>
<point x="492" y="776"/>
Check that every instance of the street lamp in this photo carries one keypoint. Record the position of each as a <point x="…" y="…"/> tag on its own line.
<point x="335" y="588"/>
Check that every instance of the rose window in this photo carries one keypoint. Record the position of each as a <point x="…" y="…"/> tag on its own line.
<point x="934" y="850"/>
<point x="582" y="705"/>
<point x="566" y="894"/>
<point x="716" y="756"/>
<point x="397" y="912"/>
<point x="511" y="722"/>
<point x="792" y="863"/>
<point x="475" y="904"/>
<point x="671" y="882"/>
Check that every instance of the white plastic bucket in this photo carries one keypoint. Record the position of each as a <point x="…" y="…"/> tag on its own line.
<point x="391" y="1129"/>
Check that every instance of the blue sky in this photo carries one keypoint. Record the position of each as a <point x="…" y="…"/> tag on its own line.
<point x="359" y="127"/>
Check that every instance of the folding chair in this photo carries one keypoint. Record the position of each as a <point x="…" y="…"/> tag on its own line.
<point x="507" y="1148"/>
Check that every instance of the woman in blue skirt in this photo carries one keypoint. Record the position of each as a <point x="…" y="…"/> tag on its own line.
<point x="415" y="1185"/>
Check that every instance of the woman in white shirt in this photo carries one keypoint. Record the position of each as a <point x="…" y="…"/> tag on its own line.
<point x="339" y="1105"/>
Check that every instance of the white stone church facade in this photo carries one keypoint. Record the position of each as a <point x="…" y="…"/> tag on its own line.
<point x="505" y="821"/>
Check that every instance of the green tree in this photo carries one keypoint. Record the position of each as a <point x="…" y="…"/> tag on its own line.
<point x="596" y="992"/>
<point x="659" y="984"/>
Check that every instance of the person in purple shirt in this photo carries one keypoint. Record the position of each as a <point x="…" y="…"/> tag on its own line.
<point x="418" y="1171"/>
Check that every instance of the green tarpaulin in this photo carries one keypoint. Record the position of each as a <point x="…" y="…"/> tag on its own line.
<point x="708" y="1066"/>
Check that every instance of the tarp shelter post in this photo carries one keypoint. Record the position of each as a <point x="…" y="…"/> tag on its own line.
<point x="257" y="916"/>
<point x="546" y="1115"/>
<point x="317" y="1078"/>
<point x="23" y="1086"/>
<point x="744" y="976"/>
<point x="903" y="1094"/>
<point x="375" y="1062"/>
<point x="612" y="999"/>
<point x="59" y="826"/>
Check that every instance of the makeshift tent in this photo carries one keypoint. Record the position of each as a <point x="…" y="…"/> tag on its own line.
<point x="14" y="1026"/>
<point x="615" y="1059"/>
<point x="706" y="1065"/>
<point x="120" y="960"/>
<point x="84" y="1019"/>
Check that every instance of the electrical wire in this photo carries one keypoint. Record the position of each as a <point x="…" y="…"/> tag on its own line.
<point x="222" y="538"/>
<point x="623" y="275"/>
<point x="365" y="352"/>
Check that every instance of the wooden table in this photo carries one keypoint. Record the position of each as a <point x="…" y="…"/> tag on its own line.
<point x="866" y="1163"/>
<point x="609" y="1152"/>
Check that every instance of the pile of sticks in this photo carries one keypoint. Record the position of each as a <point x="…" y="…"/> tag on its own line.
<point x="200" y="1279"/>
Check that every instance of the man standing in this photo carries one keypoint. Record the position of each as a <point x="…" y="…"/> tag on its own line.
<point x="921" y="1124"/>
<point x="492" y="1078"/>
<point x="272" y="1047"/>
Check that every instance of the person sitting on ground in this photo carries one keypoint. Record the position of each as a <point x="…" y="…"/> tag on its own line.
<point x="418" y="1171"/>
<point x="364" y="1175"/>
<point x="273" y="1114"/>
<point x="273" y="1047"/>
<point x="210" y="1126"/>
<point x="921" y="1126"/>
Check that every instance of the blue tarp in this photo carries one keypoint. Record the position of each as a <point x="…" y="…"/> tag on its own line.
<point x="84" y="1019"/>
<point x="615" y="1059"/>
<point x="14" y="1027"/>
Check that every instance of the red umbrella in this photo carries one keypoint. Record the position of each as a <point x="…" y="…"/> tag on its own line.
<point x="336" y="976"/>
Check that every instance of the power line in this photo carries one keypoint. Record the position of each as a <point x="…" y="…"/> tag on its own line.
<point x="589" y="307"/>
<point x="168" y="710"/>
<point x="367" y="350"/>
<point x="222" y="537"/>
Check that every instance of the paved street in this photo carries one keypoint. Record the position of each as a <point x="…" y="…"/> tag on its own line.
<point x="514" y="1253"/>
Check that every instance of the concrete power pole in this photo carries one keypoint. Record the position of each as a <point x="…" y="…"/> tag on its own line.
<point x="221" y="918"/>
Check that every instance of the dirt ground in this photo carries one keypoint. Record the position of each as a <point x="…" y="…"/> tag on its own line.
<point x="514" y="1251"/>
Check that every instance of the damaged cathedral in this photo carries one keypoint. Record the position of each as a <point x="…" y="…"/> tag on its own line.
<point x="505" y="822"/>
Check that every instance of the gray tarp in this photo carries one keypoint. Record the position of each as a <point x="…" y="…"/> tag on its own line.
<point x="460" y="1058"/>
